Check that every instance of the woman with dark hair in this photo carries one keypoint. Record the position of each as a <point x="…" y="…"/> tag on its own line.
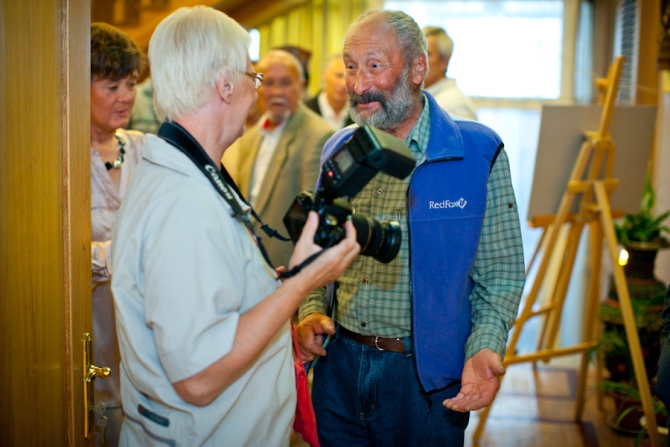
<point x="116" y="62"/>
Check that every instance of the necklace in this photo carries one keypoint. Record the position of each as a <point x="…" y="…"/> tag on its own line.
<point x="116" y="164"/>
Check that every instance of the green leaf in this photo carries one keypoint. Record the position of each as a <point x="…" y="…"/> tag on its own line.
<point x="640" y="436"/>
<point x="626" y="412"/>
<point x="642" y="226"/>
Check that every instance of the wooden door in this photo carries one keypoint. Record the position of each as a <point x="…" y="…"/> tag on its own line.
<point x="45" y="277"/>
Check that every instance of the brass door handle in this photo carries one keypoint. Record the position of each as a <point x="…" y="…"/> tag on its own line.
<point x="95" y="372"/>
<point x="91" y="372"/>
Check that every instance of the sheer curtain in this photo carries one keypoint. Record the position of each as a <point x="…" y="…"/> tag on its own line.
<point x="317" y="26"/>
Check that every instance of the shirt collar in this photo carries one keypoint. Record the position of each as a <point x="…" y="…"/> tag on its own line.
<point x="263" y="126"/>
<point x="160" y="152"/>
<point x="441" y="85"/>
<point x="418" y="137"/>
<point x="327" y="111"/>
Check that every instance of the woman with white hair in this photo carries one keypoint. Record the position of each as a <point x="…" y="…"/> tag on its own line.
<point x="203" y="319"/>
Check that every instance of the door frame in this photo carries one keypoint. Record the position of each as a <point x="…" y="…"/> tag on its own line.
<point x="45" y="276"/>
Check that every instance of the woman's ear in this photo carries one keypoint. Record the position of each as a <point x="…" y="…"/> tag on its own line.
<point x="224" y="88"/>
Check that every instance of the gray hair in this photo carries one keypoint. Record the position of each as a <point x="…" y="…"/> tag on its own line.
<point x="445" y="46"/>
<point x="188" y="51"/>
<point x="409" y="37"/>
<point x="285" y="57"/>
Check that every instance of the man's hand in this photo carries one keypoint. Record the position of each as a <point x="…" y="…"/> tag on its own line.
<point x="479" y="383"/>
<point x="311" y="332"/>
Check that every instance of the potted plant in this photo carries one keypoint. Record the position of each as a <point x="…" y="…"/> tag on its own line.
<point x="641" y="235"/>
<point x="642" y="227"/>
<point x="629" y="413"/>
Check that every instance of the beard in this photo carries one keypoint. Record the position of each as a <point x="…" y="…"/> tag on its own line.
<point x="395" y="107"/>
<point x="281" y="116"/>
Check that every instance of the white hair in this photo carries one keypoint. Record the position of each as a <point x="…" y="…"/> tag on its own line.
<point x="187" y="52"/>
<point x="283" y="57"/>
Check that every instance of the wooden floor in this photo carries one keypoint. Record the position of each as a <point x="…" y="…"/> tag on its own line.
<point x="535" y="408"/>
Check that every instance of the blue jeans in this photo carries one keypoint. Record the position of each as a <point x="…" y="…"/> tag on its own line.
<point x="366" y="397"/>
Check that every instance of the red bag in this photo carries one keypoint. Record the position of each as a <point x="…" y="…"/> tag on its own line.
<point x="305" y="421"/>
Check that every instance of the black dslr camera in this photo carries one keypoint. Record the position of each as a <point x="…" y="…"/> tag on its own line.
<point x="345" y="173"/>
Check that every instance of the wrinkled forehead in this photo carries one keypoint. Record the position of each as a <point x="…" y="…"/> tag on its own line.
<point x="371" y="38"/>
<point x="368" y="29"/>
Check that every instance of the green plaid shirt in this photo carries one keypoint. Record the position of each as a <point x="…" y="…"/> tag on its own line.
<point x="375" y="298"/>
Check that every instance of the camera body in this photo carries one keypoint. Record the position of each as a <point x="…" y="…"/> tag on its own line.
<point x="345" y="173"/>
<point x="332" y="215"/>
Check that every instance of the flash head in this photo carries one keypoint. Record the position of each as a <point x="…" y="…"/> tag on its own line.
<point x="368" y="151"/>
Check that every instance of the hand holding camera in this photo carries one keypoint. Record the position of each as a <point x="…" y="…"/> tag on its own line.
<point x="328" y="265"/>
<point x="351" y="167"/>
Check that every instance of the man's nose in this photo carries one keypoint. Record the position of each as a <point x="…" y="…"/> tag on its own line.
<point x="361" y="82"/>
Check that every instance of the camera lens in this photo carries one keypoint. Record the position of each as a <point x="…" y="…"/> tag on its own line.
<point x="379" y="239"/>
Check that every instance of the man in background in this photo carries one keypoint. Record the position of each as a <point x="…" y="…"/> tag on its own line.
<point x="231" y="157"/>
<point x="444" y="89"/>
<point x="279" y="155"/>
<point x="331" y="102"/>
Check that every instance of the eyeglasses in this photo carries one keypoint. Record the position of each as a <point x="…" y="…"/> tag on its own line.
<point x="257" y="77"/>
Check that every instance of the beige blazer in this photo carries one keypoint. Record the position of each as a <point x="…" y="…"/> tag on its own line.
<point x="295" y="167"/>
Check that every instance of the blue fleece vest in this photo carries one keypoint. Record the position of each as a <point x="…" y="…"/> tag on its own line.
<point x="446" y="205"/>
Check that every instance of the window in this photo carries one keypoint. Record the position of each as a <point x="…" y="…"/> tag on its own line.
<point x="502" y="49"/>
<point x="255" y="46"/>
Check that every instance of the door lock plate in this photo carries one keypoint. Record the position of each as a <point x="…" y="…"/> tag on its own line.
<point x="91" y="372"/>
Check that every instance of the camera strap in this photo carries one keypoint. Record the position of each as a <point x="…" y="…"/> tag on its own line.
<point x="179" y="137"/>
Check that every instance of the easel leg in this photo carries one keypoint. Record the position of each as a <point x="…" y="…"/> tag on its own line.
<point x="591" y="317"/>
<point x="537" y="251"/>
<point x="554" y="319"/>
<point x="546" y="321"/>
<point x="628" y="316"/>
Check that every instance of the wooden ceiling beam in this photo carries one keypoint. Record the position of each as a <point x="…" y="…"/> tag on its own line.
<point x="260" y="12"/>
<point x="248" y="14"/>
<point x="150" y="18"/>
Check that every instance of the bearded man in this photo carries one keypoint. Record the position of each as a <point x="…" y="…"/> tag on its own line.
<point x="416" y="343"/>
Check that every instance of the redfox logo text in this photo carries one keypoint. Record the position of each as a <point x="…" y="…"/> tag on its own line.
<point x="448" y="204"/>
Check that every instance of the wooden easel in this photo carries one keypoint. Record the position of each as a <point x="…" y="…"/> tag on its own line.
<point x="594" y="188"/>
